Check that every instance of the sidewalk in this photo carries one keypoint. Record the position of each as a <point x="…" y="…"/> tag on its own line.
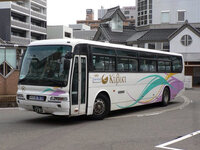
<point x="8" y="101"/>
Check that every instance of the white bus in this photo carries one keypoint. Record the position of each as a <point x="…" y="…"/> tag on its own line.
<point x="79" y="77"/>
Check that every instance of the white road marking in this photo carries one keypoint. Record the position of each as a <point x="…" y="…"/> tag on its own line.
<point x="187" y="101"/>
<point x="10" y="108"/>
<point x="164" y="146"/>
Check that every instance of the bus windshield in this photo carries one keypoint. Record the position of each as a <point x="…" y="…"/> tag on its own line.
<point x="45" y="66"/>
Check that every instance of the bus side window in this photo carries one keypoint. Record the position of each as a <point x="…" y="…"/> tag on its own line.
<point x="98" y="63"/>
<point x="161" y="66"/>
<point x="123" y="64"/>
<point x="152" y="65"/>
<point x="109" y="63"/>
<point x="133" y="65"/>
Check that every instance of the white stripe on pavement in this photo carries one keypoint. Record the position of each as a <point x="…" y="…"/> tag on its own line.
<point x="164" y="146"/>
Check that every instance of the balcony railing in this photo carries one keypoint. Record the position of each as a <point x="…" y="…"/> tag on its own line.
<point x="19" y="8"/>
<point x="41" y="2"/>
<point x="38" y="15"/>
<point x="20" y="24"/>
<point x="39" y="29"/>
<point x="20" y="40"/>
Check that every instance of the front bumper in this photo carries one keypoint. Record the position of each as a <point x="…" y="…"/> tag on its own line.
<point x="61" y="109"/>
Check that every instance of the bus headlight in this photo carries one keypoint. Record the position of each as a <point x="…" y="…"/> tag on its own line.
<point x="20" y="97"/>
<point x="57" y="99"/>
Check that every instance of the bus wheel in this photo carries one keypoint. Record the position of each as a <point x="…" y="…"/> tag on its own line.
<point x="100" y="110"/>
<point x="165" y="97"/>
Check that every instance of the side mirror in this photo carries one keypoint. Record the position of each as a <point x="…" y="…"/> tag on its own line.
<point x="69" y="55"/>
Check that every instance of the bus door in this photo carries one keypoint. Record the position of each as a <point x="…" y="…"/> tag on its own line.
<point x="78" y="88"/>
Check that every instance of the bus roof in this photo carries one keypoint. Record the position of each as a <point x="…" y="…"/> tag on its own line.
<point x="74" y="42"/>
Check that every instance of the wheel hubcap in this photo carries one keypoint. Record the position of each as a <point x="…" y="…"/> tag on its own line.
<point x="99" y="107"/>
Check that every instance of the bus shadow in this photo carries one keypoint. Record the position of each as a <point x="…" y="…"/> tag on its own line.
<point x="142" y="109"/>
<point x="56" y="120"/>
<point x="50" y="120"/>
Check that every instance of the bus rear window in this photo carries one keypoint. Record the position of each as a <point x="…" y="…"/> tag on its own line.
<point x="177" y="65"/>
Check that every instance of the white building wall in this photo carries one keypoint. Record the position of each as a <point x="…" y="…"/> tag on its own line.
<point x="132" y="11"/>
<point x="82" y="27"/>
<point x="58" y="32"/>
<point x="191" y="52"/>
<point x="192" y="8"/>
<point x="5" y="5"/>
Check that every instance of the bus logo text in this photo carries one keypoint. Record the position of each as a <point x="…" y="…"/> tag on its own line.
<point x="113" y="79"/>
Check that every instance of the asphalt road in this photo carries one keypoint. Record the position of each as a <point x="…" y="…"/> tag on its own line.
<point x="141" y="128"/>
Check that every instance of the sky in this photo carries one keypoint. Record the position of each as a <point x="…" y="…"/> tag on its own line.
<point x="65" y="12"/>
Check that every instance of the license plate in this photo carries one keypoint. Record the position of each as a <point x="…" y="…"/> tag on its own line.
<point x="36" y="98"/>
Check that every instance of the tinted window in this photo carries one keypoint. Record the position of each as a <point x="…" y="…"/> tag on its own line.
<point x="103" y="51"/>
<point x="126" y="53"/>
<point x="147" y="55"/>
<point x="147" y="66"/>
<point x="103" y="63"/>
<point x="128" y="65"/>
<point x="164" y="57"/>
<point x="122" y="64"/>
<point x="177" y="64"/>
<point x="164" y="66"/>
<point x="133" y="65"/>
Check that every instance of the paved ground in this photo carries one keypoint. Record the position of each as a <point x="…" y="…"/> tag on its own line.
<point x="141" y="128"/>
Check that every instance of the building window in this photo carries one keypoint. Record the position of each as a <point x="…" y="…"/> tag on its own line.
<point x="151" y="46"/>
<point x="166" y="46"/>
<point x="186" y="40"/>
<point x="67" y="34"/>
<point x="141" y="45"/>
<point x="126" y="12"/>
<point x="158" y="46"/>
<point x="116" y="24"/>
<point x="181" y="16"/>
<point x="165" y="17"/>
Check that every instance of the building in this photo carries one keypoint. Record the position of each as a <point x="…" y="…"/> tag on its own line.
<point x="89" y="14"/>
<point x="94" y="24"/>
<point x="186" y="40"/>
<point x="59" y="32"/>
<point x="112" y="28"/>
<point x="101" y="12"/>
<point x="82" y="31"/>
<point x="80" y="27"/>
<point x="153" y="12"/>
<point x="85" y="34"/>
<point x="24" y="21"/>
<point x="129" y="12"/>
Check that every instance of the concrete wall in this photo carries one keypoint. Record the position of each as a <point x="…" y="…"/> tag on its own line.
<point x="190" y="6"/>
<point x="79" y="27"/>
<point x="58" y="32"/>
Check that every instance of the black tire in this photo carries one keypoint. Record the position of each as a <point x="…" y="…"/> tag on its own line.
<point x="101" y="107"/>
<point x="165" y="97"/>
